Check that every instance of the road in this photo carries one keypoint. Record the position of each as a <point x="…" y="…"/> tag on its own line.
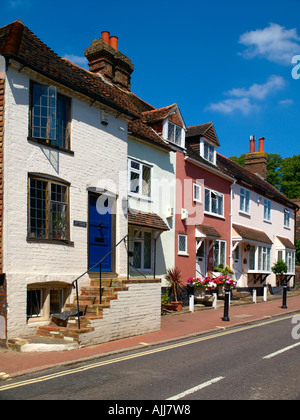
<point x="258" y="361"/>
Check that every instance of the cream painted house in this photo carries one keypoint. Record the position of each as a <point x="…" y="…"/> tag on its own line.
<point x="152" y="189"/>
<point x="262" y="222"/>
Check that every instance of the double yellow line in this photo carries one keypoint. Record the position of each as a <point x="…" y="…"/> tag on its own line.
<point x="8" y="386"/>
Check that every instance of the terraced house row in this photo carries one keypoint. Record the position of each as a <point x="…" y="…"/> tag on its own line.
<point x="90" y="172"/>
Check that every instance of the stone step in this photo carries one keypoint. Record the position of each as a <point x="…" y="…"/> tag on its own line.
<point x="69" y="334"/>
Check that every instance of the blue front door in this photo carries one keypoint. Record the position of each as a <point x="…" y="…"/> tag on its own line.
<point x="100" y="232"/>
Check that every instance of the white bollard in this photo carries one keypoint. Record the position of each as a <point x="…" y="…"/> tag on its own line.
<point x="192" y="300"/>
<point x="265" y="298"/>
<point x="254" y="295"/>
<point x="214" y="300"/>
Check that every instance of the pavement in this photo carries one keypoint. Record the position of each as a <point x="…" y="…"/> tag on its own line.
<point x="174" y="326"/>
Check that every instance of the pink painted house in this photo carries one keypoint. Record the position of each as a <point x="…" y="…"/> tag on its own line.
<point x="203" y="197"/>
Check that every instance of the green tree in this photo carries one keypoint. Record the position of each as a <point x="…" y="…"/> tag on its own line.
<point x="297" y="243"/>
<point x="274" y="169"/>
<point x="290" y="183"/>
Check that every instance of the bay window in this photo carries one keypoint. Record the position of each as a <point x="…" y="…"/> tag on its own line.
<point x="264" y="258"/>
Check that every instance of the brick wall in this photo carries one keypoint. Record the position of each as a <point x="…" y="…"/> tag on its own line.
<point x="3" y="296"/>
<point x="100" y="156"/>
<point x="135" y="312"/>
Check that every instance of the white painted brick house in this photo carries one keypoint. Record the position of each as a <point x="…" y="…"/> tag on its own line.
<point x="63" y="160"/>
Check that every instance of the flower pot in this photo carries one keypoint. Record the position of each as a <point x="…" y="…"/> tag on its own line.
<point x="199" y="293"/>
<point x="174" y="306"/>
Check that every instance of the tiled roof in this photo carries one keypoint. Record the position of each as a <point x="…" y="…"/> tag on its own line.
<point x="158" y="114"/>
<point x="208" y="231"/>
<point x="206" y="130"/>
<point x="286" y="242"/>
<point x="252" y="234"/>
<point x="142" y="131"/>
<point x="19" y="43"/>
<point x="150" y="220"/>
<point x="260" y="185"/>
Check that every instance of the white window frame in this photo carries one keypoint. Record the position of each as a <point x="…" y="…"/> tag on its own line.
<point x="265" y="265"/>
<point x="210" y="211"/>
<point x="265" y="259"/>
<point x="211" y="154"/>
<point x="182" y="252"/>
<point x="139" y="172"/>
<point x="197" y="193"/>
<point x="221" y="244"/>
<point x="181" y="143"/>
<point x="287" y="217"/>
<point x="289" y="257"/>
<point x="267" y="210"/>
<point x="244" y="200"/>
<point x="139" y="236"/>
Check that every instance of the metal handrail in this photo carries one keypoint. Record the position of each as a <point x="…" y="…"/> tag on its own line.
<point x="75" y="282"/>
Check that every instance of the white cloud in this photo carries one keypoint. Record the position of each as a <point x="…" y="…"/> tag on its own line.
<point x="275" y="43"/>
<point x="245" y="100"/>
<point x="81" y="61"/>
<point x="286" y="102"/>
<point x="227" y="106"/>
<point x="260" y="91"/>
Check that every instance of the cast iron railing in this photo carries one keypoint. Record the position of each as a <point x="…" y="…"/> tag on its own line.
<point x="75" y="282"/>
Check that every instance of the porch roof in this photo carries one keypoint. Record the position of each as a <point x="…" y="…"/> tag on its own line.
<point x="207" y="231"/>
<point x="250" y="234"/>
<point x="286" y="242"/>
<point x="150" y="220"/>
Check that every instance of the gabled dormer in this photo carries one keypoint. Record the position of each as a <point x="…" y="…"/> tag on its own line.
<point x="204" y="140"/>
<point x="168" y="123"/>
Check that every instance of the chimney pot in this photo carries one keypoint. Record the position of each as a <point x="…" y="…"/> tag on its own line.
<point x="252" y="144"/>
<point x="113" y="42"/>
<point x="261" y="144"/>
<point x="105" y="36"/>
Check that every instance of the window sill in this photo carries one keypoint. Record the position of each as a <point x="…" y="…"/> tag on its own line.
<point x="244" y="213"/>
<point x="183" y="254"/>
<point x="51" y="146"/>
<point x="50" y="241"/>
<point x="268" y="221"/>
<point x="214" y="215"/>
<point x="140" y="197"/>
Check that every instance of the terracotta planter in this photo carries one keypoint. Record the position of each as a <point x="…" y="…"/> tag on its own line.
<point x="174" y="306"/>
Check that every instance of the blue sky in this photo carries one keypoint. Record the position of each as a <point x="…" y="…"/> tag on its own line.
<point x="229" y="62"/>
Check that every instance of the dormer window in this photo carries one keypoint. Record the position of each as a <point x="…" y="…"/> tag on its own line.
<point x="175" y="134"/>
<point x="207" y="151"/>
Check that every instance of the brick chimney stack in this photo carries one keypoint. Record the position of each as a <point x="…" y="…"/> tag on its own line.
<point x="256" y="162"/>
<point x="104" y="58"/>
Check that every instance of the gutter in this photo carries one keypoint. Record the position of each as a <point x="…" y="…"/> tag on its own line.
<point x="210" y="169"/>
